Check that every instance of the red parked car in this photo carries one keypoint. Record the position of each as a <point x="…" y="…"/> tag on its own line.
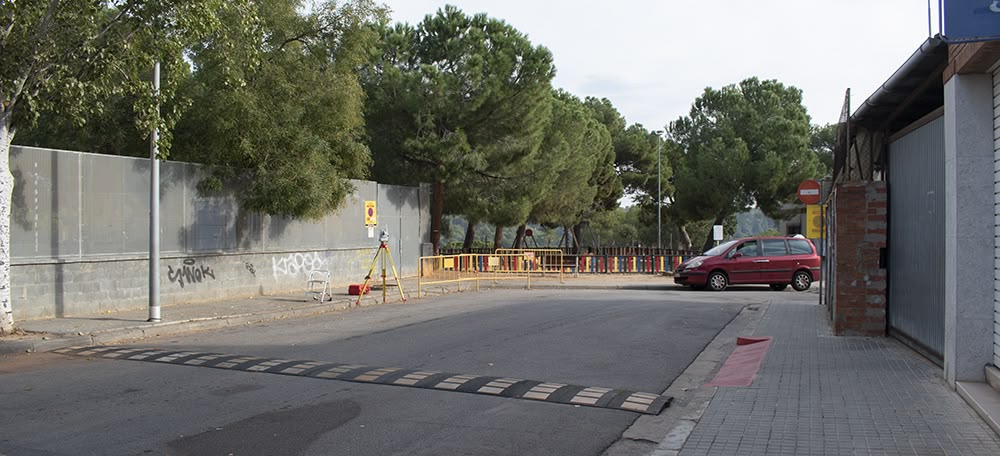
<point x="775" y="261"/>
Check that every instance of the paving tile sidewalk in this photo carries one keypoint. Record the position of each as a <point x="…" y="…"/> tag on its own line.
<point x="817" y="394"/>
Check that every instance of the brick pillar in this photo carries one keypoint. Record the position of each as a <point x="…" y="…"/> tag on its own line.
<point x="859" y="307"/>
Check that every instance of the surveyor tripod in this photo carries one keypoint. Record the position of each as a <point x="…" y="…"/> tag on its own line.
<point x="382" y="253"/>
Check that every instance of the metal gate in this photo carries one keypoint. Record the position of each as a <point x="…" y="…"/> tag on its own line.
<point x="916" y="238"/>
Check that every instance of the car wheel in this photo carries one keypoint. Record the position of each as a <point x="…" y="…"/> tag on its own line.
<point x="779" y="286"/>
<point x="801" y="281"/>
<point x="717" y="281"/>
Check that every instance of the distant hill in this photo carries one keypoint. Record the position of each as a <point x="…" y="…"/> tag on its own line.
<point x="752" y="223"/>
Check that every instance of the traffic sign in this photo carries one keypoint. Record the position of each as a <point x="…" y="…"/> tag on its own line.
<point x="809" y="191"/>
<point x="970" y="20"/>
<point x="370" y="218"/>
<point x="815" y="213"/>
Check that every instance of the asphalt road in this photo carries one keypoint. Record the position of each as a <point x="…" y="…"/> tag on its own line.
<point x="637" y="340"/>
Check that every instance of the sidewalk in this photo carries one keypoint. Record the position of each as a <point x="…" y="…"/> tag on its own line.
<point x="817" y="394"/>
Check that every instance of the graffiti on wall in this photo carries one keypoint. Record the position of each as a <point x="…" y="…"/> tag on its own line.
<point x="297" y="263"/>
<point x="249" y="266"/>
<point x="190" y="272"/>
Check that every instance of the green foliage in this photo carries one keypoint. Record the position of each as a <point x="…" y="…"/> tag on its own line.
<point x="515" y="175"/>
<point x="454" y="229"/>
<point x="293" y="125"/>
<point x="112" y="132"/>
<point x="637" y="152"/>
<point x="461" y="101"/>
<point x="617" y="227"/>
<point x="274" y="98"/>
<point x="575" y="145"/>
<point x="605" y="176"/>
<point x="80" y="58"/>
<point x="703" y="229"/>
<point x="823" y="141"/>
<point x="635" y="161"/>
<point x="635" y="158"/>
<point x="744" y="145"/>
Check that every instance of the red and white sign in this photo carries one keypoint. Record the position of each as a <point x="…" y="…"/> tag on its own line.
<point x="809" y="191"/>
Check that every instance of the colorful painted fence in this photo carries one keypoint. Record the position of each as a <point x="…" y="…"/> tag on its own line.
<point x="642" y="264"/>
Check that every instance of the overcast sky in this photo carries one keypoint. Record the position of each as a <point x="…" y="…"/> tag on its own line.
<point x="652" y="58"/>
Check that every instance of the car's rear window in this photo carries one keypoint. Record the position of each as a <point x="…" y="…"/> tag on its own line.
<point x="774" y="247"/>
<point x="800" y="247"/>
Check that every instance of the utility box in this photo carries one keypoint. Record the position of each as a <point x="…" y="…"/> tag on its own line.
<point x="354" y="289"/>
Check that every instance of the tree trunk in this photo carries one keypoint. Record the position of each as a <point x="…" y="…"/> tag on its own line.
<point x="577" y="235"/>
<point x="437" y="209"/>
<point x="685" y="237"/>
<point x="498" y="237"/>
<point x="6" y="190"/>
<point x="519" y="237"/>
<point x="709" y="240"/>
<point x="470" y="236"/>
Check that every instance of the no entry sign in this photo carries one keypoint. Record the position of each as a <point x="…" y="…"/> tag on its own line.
<point x="809" y="191"/>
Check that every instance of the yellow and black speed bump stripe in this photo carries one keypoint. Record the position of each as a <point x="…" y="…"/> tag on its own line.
<point x="515" y="388"/>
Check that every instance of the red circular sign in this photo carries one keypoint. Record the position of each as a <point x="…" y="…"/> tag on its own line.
<point x="809" y="191"/>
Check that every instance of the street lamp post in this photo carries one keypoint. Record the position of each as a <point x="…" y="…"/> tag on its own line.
<point x="659" y="193"/>
<point x="154" y="209"/>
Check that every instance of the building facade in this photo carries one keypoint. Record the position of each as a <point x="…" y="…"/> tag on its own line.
<point x="915" y="210"/>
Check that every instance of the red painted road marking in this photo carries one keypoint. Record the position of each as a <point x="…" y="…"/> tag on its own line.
<point x="743" y="364"/>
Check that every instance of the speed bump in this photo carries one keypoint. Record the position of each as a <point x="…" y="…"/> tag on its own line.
<point x="509" y="387"/>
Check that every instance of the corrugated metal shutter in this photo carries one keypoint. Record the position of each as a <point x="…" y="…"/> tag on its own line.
<point x="996" y="214"/>
<point x="916" y="238"/>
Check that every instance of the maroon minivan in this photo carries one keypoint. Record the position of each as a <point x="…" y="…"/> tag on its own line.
<point x="775" y="261"/>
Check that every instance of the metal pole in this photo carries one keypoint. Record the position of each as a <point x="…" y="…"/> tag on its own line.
<point x="929" y="32"/>
<point x="154" y="208"/>
<point x="940" y="17"/>
<point x="822" y="241"/>
<point x="659" y="193"/>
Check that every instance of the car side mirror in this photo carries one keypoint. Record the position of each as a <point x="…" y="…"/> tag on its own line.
<point x="737" y="255"/>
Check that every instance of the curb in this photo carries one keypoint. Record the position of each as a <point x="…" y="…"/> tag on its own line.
<point x="50" y="342"/>
<point x="42" y="344"/>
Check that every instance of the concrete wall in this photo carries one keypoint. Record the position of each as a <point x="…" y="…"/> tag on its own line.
<point x="969" y="226"/>
<point x="80" y="236"/>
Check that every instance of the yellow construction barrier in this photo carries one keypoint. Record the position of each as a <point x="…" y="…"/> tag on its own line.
<point x="503" y="265"/>
<point x="544" y="261"/>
